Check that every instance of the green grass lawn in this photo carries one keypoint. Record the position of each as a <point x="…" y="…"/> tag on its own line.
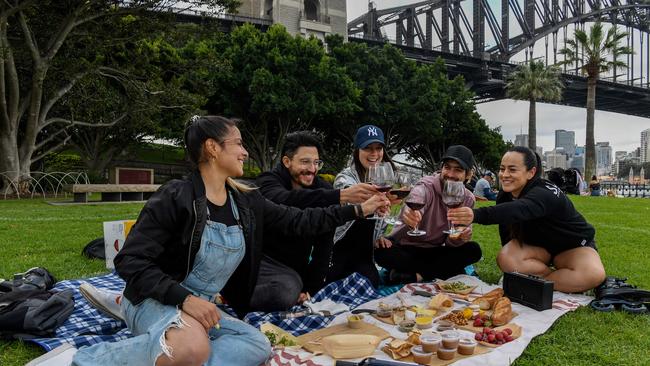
<point x="33" y="233"/>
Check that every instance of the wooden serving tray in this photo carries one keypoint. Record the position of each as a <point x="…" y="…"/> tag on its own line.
<point x="310" y="341"/>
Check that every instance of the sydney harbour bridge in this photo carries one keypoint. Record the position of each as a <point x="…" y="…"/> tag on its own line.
<point x="481" y="39"/>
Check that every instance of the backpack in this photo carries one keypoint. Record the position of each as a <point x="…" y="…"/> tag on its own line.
<point x="29" y="309"/>
<point x="95" y="249"/>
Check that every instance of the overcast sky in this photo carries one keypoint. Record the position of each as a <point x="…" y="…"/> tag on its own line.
<point x="623" y="132"/>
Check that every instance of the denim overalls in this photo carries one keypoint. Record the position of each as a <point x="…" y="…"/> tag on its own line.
<point x="234" y="343"/>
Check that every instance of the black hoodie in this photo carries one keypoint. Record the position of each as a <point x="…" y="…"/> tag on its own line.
<point x="541" y="216"/>
<point x="296" y="251"/>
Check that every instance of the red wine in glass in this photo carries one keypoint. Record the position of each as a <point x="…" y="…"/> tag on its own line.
<point x="383" y="187"/>
<point x="415" y="205"/>
<point x="400" y="193"/>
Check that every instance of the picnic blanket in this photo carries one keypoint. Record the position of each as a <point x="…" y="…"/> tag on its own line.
<point x="87" y="326"/>
<point x="533" y="323"/>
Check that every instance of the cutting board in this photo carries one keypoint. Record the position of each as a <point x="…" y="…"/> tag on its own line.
<point x="435" y="361"/>
<point x="310" y="341"/>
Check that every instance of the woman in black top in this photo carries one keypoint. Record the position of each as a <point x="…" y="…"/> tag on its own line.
<point x="541" y="232"/>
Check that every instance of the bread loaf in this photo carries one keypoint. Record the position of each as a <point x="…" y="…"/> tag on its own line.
<point x="502" y="311"/>
<point x="487" y="301"/>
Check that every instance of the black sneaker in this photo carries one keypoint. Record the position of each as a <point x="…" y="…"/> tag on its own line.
<point x="396" y="277"/>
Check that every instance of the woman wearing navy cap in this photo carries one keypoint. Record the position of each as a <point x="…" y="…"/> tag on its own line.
<point x="354" y="241"/>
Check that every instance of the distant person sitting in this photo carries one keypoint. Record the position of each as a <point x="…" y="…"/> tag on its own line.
<point x="594" y="186"/>
<point x="483" y="188"/>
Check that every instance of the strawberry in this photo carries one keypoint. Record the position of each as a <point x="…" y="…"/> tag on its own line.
<point x="487" y="330"/>
<point x="478" y="336"/>
<point x="509" y="338"/>
<point x="478" y="322"/>
<point x="491" y="338"/>
<point x="499" y="336"/>
<point x="508" y="330"/>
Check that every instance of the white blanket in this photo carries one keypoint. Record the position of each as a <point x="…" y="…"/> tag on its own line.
<point x="533" y="323"/>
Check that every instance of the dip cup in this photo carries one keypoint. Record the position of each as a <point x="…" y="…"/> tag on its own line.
<point x="420" y="356"/>
<point x="446" y="353"/>
<point x="466" y="346"/>
<point x="450" y="339"/>
<point x="430" y="342"/>
<point x="443" y="325"/>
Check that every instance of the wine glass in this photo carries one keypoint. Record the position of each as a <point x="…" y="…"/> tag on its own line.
<point x="415" y="201"/>
<point x="401" y="189"/>
<point x="453" y="195"/>
<point x="381" y="175"/>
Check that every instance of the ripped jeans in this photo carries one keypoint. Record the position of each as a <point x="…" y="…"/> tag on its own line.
<point x="235" y="343"/>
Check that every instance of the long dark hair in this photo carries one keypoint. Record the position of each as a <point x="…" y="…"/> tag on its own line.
<point x="361" y="171"/>
<point x="201" y="128"/>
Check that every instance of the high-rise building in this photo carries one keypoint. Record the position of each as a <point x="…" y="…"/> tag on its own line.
<point x="305" y="17"/>
<point x="645" y="146"/>
<point x="578" y="162"/>
<point x="603" y="158"/>
<point x="521" y="140"/>
<point x="567" y="140"/>
<point x="556" y="159"/>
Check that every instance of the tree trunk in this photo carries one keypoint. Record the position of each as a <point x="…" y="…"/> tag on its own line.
<point x="532" y="125"/>
<point x="590" y="146"/>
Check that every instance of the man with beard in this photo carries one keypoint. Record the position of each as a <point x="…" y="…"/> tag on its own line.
<point x="293" y="267"/>
<point x="434" y="254"/>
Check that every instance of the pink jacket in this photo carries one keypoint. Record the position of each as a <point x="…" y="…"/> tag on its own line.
<point x="434" y="218"/>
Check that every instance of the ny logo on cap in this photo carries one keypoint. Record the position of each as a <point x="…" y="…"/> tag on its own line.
<point x="372" y="131"/>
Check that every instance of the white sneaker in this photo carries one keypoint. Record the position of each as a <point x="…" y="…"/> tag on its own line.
<point x="60" y="356"/>
<point x="106" y="301"/>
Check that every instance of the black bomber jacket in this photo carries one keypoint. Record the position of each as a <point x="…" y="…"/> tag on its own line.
<point x="159" y="251"/>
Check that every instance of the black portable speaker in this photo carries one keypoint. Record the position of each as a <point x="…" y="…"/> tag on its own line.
<point x="528" y="290"/>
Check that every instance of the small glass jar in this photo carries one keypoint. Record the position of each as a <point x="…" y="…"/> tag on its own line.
<point x="466" y="346"/>
<point x="450" y="339"/>
<point x="420" y="356"/>
<point x="406" y="325"/>
<point x="384" y="310"/>
<point x="446" y="353"/>
<point x="423" y="321"/>
<point x="430" y="342"/>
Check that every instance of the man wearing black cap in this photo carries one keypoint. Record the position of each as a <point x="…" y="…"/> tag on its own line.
<point x="435" y="254"/>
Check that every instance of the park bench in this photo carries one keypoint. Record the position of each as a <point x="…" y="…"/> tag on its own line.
<point x="114" y="192"/>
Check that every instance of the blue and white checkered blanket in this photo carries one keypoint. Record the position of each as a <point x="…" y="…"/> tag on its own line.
<point x="87" y="326"/>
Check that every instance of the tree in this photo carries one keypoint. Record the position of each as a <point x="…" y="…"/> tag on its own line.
<point x="534" y="82"/>
<point x="277" y="83"/>
<point x="37" y="39"/>
<point x="596" y="54"/>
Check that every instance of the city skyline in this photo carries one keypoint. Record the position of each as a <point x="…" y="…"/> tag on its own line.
<point x="622" y="131"/>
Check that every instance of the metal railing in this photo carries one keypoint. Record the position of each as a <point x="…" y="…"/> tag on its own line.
<point x="626" y="189"/>
<point x="40" y="184"/>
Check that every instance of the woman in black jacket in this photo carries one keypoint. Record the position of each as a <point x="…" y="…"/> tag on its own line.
<point x="541" y="232"/>
<point x="194" y="239"/>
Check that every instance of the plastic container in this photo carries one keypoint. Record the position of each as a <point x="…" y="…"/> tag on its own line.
<point x="420" y="356"/>
<point x="466" y="346"/>
<point x="444" y="325"/>
<point x="446" y="353"/>
<point x="430" y="342"/>
<point x="450" y="339"/>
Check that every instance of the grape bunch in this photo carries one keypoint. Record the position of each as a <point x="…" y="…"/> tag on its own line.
<point x="493" y="336"/>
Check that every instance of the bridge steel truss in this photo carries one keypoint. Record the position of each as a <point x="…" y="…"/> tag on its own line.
<point x="446" y="24"/>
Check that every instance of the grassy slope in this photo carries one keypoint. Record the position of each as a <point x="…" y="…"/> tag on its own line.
<point x="33" y="233"/>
